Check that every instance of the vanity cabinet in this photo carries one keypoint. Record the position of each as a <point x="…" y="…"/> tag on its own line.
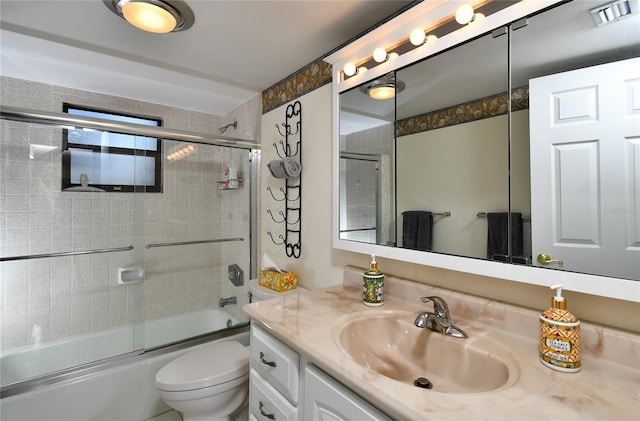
<point x="283" y="386"/>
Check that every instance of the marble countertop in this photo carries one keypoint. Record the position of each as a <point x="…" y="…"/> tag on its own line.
<point x="607" y="387"/>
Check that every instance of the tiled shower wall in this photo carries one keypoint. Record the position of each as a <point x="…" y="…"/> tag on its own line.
<point x="360" y="184"/>
<point x="73" y="295"/>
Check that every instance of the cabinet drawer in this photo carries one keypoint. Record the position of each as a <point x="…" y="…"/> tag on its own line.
<point x="279" y="364"/>
<point x="266" y="404"/>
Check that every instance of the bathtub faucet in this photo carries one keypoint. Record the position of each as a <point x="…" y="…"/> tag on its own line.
<point x="224" y="301"/>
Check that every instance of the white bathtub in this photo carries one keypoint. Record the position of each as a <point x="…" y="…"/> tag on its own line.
<point x="124" y="392"/>
<point x="30" y="361"/>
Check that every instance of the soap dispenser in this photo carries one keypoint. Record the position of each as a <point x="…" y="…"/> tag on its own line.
<point x="559" y="336"/>
<point x="373" y="288"/>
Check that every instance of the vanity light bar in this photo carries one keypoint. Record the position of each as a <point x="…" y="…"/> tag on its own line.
<point x="610" y="12"/>
<point x="464" y="15"/>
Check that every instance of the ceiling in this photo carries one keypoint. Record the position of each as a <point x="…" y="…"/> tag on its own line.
<point x="234" y="51"/>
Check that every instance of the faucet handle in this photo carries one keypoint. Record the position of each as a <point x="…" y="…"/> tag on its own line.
<point x="440" y="306"/>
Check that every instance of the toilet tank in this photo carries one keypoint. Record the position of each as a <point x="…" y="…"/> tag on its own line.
<point x="260" y="293"/>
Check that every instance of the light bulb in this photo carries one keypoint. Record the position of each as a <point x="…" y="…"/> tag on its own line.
<point x="362" y="69"/>
<point x="464" y="14"/>
<point x="393" y="55"/>
<point x="148" y="17"/>
<point x="477" y="18"/>
<point x="430" y="39"/>
<point x="379" y="54"/>
<point x="382" y="92"/>
<point x="350" y="69"/>
<point x="417" y="37"/>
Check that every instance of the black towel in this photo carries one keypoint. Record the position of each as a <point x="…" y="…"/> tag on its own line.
<point x="417" y="230"/>
<point x="497" y="243"/>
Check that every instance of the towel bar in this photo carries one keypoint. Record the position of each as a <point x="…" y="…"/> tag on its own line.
<point x="437" y="213"/>
<point x="484" y="215"/>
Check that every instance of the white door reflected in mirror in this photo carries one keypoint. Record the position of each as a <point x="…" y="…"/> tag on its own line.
<point x="585" y="168"/>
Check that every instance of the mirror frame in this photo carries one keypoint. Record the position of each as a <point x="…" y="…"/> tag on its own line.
<point x="425" y="15"/>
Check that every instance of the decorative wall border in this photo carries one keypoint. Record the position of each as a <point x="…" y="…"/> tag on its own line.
<point x="478" y="109"/>
<point x="305" y="80"/>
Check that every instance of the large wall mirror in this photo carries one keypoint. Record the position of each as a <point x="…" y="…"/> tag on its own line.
<point x="552" y="181"/>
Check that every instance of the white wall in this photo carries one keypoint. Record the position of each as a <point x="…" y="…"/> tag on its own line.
<point x="321" y="266"/>
<point x="463" y="169"/>
<point x="314" y="267"/>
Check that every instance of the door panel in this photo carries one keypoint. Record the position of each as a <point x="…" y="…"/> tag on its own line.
<point x="584" y="156"/>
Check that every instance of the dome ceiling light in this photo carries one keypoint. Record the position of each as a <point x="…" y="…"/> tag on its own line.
<point x="157" y="16"/>
<point x="385" y="87"/>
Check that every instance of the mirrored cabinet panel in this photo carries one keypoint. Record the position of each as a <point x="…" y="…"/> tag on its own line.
<point x="452" y="149"/>
<point x="521" y="146"/>
<point x="367" y="164"/>
<point x="582" y="76"/>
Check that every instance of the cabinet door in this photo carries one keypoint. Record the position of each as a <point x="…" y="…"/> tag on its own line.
<point x="327" y="400"/>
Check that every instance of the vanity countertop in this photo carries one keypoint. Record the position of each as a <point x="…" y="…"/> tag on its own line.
<point x="607" y="387"/>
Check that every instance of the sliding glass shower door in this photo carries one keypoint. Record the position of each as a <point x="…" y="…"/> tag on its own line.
<point x="61" y="258"/>
<point x="91" y="271"/>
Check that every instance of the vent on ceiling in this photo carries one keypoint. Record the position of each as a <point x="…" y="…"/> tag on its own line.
<point x="611" y="12"/>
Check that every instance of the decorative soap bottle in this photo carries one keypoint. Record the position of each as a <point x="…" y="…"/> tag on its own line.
<point x="373" y="288"/>
<point x="560" y="336"/>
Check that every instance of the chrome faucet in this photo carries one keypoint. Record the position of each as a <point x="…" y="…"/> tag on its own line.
<point x="224" y="301"/>
<point x="439" y="320"/>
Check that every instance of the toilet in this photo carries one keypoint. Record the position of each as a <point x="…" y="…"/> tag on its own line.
<point x="212" y="382"/>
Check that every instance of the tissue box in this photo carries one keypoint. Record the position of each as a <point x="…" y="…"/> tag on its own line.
<point x="278" y="281"/>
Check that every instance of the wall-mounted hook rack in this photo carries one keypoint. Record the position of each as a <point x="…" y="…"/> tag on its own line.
<point x="287" y="149"/>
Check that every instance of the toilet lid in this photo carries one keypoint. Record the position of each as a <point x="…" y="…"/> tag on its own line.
<point x="212" y="364"/>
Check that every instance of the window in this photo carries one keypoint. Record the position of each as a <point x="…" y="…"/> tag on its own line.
<point x="110" y="161"/>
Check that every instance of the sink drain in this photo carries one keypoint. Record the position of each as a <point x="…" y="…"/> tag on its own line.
<point x="423" y="382"/>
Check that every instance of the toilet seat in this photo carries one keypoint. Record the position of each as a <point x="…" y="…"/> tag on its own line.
<point x="213" y="364"/>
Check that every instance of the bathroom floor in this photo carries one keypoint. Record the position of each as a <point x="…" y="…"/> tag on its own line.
<point x="167" y="416"/>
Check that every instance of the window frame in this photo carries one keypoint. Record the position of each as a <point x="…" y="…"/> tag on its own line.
<point x="126" y="188"/>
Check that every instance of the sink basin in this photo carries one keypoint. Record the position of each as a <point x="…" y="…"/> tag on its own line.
<point x="389" y="344"/>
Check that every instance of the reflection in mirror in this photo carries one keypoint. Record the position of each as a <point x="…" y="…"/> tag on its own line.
<point x="452" y="151"/>
<point x="367" y="202"/>
<point x="564" y="214"/>
<point x="585" y="138"/>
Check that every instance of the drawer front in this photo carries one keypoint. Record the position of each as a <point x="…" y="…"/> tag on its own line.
<point x="266" y="403"/>
<point x="279" y="364"/>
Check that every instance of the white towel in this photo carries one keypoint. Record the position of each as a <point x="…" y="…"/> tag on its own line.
<point x="292" y="168"/>
<point x="285" y="168"/>
<point x="277" y="168"/>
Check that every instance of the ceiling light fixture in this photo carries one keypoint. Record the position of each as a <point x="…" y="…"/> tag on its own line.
<point x="157" y="16"/>
<point x="385" y="87"/>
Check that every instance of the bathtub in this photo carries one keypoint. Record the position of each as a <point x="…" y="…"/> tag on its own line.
<point x="124" y="391"/>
